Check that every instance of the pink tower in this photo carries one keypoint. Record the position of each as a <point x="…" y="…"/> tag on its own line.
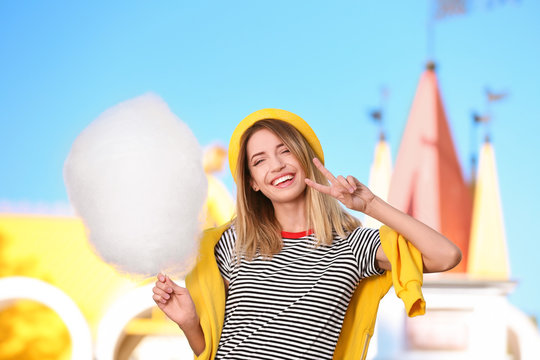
<point x="427" y="181"/>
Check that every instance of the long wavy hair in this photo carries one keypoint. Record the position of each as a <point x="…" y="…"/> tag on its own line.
<point x="257" y="229"/>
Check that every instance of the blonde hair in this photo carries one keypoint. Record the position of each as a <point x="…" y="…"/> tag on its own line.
<point x="257" y="230"/>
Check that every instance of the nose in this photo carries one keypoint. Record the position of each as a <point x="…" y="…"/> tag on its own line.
<point x="277" y="163"/>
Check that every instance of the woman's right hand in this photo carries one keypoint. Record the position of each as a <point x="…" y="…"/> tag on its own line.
<point x="175" y="301"/>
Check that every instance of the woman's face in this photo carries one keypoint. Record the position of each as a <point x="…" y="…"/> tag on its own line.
<point x="275" y="171"/>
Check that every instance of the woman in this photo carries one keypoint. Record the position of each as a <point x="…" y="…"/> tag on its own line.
<point x="293" y="259"/>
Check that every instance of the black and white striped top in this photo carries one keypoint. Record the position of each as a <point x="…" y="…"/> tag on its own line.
<point x="292" y="306"/>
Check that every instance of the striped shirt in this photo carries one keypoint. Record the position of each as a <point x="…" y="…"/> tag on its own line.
<point x="292" y="306"/>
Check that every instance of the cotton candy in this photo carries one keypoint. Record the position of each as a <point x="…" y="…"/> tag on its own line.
<point x="135" y="177"/>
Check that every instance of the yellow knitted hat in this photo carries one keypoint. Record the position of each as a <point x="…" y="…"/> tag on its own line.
<point x="300" y="124"/>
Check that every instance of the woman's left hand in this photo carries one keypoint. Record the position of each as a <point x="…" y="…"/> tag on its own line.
<point x="438" y="253"/>
<point x="349" y="191"/>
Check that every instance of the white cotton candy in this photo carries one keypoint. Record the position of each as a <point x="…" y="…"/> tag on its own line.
<point x="135" y="176"/>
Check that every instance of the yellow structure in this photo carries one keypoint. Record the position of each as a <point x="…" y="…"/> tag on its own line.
<point x="379" y="176"/>
<point x="28" y="322"/>
<point x="55" y="249"/>
<point x="219" y="206"/>
<point x="219" y="203"/>
<point x="488" y="254"/>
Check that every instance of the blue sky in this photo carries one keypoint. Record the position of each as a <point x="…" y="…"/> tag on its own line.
<point x="213" y="62"/>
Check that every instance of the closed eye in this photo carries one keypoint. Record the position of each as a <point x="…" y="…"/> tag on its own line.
<point x="257" y="162"/>
<point x="282" y="149"/>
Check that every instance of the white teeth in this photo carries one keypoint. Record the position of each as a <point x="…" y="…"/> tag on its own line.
<point x="282" y="179"/>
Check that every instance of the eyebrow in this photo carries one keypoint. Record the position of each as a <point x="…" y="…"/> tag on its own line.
<point x="262" y="152"/>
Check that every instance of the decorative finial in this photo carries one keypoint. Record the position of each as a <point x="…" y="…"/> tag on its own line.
<point x="376" y="115"/>
<point x="477" y="118"/>
<point x="495" y="96"/>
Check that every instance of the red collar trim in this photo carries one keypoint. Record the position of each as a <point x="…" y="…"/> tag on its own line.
<point x="296" y="235"/>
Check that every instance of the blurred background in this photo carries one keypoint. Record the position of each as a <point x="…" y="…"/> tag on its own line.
<point x="373" y="79"/>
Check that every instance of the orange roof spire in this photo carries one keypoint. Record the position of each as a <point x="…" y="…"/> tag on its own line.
<point x="427" y="182"/>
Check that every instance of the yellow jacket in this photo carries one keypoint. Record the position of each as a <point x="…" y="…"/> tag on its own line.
<point x="206" y="287"/>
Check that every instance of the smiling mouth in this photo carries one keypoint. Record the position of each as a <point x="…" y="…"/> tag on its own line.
<point x="283" y="180"/>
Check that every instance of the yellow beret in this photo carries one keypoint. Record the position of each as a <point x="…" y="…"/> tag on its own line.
<point x="300" y="124"/>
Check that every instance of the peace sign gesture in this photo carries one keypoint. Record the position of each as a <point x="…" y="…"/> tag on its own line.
<point x="438" y="253"/>
<point x="349" y="191"/>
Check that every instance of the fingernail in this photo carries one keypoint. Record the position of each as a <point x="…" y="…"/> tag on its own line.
<point x="160" y="277"/>
<point x="169" y="290"/>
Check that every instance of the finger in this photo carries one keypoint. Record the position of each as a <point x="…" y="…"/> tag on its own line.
<point x="322" y="188"/>
<point x="345" y="184"/>
<point x="324" y="170"/>
<point x="160" y="292"/>
<point x="175" y="287"/>
<point x="164" y="287"/>
<point x="352" y="181"/>
<point x="158" y="299"/>
<point x="161" y="277"/>
<point x="169" y="281"/>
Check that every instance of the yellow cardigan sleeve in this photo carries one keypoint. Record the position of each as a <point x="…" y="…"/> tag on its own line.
<point x="407" y="270"/>
<point x="406" y="277"/>
<point x="207" y="290"/>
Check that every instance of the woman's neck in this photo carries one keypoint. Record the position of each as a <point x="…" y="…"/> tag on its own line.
<point x="291" y="215"/>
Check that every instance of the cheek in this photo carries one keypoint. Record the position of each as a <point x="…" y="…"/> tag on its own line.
<point x="254" y="178"/>
<point x="259" y="172"/>
<point x="303" y="173"/>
